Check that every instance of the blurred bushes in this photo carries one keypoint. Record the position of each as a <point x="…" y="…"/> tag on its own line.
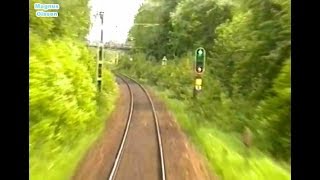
<point x="64" y="104"/>
<point x="66" y="112"/>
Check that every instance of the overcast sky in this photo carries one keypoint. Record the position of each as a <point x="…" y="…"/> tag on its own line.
<point x="118" y="19"/>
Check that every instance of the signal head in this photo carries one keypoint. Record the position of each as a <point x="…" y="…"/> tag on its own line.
<point x="200" y="60"/>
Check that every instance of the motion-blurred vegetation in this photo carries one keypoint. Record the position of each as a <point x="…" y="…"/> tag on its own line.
<point x="66" y="112"/>
<point x="246" y="82"/>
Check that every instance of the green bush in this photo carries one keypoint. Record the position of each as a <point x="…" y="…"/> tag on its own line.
<point x="66" y="111"/>
<point x="65" y="116"/>
<point x="225" y="152"/>
<point x="275" y="118"/>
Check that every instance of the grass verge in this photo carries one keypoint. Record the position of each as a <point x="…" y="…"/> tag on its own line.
<point x="226" y="155"/>
<point x="60" y="165"/>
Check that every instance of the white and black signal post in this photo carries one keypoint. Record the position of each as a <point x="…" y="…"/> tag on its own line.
<point x="100" y="56"/>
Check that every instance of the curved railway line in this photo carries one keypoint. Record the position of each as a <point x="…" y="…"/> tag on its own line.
<point x="124" y="144"/>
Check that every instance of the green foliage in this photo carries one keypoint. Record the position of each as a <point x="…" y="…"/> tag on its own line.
<point x="225" y="152"/>
<point x="41" y="26"/>
<point x="247" y="44"/>
<point x="249" y="54"/>
<point x="66" y="111"/>
<point x="71" y="14"/>
<point x="274" y="115"/>
<point x="247" y="78"/>
<point x="56" y="75"/>
<point x="183" y="25"/>
<point x="194" y="23"/>
<point x="250" y="49"/>
<point x="246" y="83"/>
<point x="144" y="35"/>
<point x="230" y="164"/>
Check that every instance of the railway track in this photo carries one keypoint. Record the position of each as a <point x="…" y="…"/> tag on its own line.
<point x="122" y="148"/>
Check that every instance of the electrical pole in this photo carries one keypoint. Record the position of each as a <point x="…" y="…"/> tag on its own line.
<point x="101" y="17"/>
<point x="100" y="56"/>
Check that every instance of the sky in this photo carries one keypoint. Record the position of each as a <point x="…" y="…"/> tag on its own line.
<point x="117" y="21"/>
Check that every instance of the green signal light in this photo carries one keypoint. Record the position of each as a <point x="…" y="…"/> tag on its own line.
<point x="200" y="56"/>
